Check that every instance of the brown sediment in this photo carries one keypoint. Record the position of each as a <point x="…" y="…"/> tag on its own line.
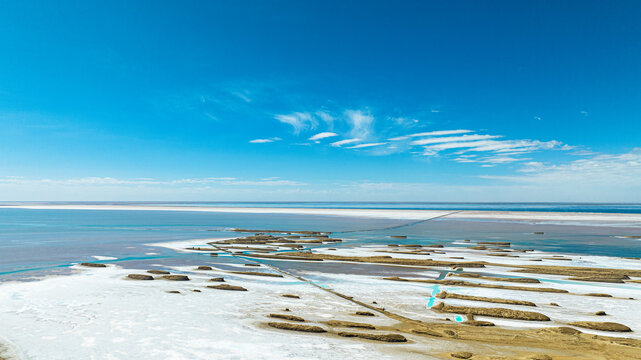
<point x="539" y="357"/>
<point x="158" y="272"/>
<point x="556" y="258"/>
<point x="364" y="313"/>
<point x="252" y="264"/>
<point x="495" y="243"/>
<point x="496" y="278"/>
<point x="318" y="241"/>
<point x="477" y="323"/>
<point x="175" y="277"/>
<point x="140" y="277"/>
<point x="602" y="326"/>
<point x="392" y="245"/>
<point x="398" y="236"/>
<point x="217" y="279"/>
<point x="204" y="268"/>
<point x="196" y="290"/>
<point x="480" y="247"/>
<point x="491" y="312"/>
<point x="577" y="271"/>
<point x="423" y="331"/>
<point x="539" y="233"/>
<point x="297" y="327"/>
<point x="598" y="295"/>
<point x="293" y="246"/>
<point x="377" y="337"/>
<point x="291" y="296"/>
<point x="461" y="355"/>
<point x="256" y="273"/>
<point x="351" y="324"/>
<point x="597" y="279"/>
<point x="554" y="304"/>
<point x="227" y="287"/>
<point x="287" y="317"/>
<point x="438" y="246"/>
<point x="279" y="231"/>
<point x="173" y="292"/>
<point x="198" y="248"/>
<point x="600" y="313"/>
<point x="281" y="257"/>
<point x="388" y="260"/>
<point x="448" y="295"/>
<point x="331" y="249"/>
<point x="502" y="255"/>
<point x="95" y="265"/>
<point x="415" y="252"/>
<point x="564" y="341"/>
<point x="481" y="285"/>
<point x="412" y="246"/>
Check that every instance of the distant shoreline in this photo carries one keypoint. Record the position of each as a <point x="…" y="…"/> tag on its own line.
<point x="400" y="214"/>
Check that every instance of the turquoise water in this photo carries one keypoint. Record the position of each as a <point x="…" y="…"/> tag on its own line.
<point x="37" y="242"/>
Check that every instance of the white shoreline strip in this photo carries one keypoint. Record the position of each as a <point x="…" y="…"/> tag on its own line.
<point x="368" y="213"/>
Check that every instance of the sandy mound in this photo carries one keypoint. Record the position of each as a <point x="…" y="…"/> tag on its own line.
<point x="227" y="287"/>
<point x="202" y="267"/>
<point x="494" y="278"/>
<point x="473" y="284"/>
<point x="158" y="272"/>
<point x="364" y="313"/>
<point x="341" y="323"/>
<point x="377" y="337"/>
<point x="175" y="277"/>
<point x="447" y="295"/>
<point x="297" y="327"/>
<point x="291" y="296"/>
<point x="256" y="273"/>
<point x="95" y="265"/>
<point x="491" y="312"/>
<point x="603" y="326"/>
<point x="287" y="317"/>
<point x="140" y="277"/>
<point x="462" y="355"/>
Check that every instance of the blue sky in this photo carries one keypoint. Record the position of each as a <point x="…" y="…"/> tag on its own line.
<point x="321" y="100"/>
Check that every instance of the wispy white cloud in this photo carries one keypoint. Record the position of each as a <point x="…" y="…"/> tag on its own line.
<point x="446" y="139"/>
<point x="344" y="142"/>
<point x="498" y="146"/>
<point x="298" y="120"/>
<point x="398" y="138"/>
<point x="322" y="135"/>
<point x="601" y="174"/>
<point x="264" y="141"/>
<point x="327" y="118"/>
<point x="440" y="133"/>
<point x="243" y="95"/>
<point x="361" y="123"/>
<point x="360" y="146"/>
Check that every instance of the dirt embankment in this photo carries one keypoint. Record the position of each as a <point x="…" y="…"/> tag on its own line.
<point x="479" y="285"/>
<point x="448" y="295"/>
<point x="491" y="312"/>
<point x="388" y="260"/>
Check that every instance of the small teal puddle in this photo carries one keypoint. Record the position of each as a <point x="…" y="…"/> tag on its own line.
<point x="458" y="318"/>
<point x="435" y="290"/>
<point x="430" y="302"/>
